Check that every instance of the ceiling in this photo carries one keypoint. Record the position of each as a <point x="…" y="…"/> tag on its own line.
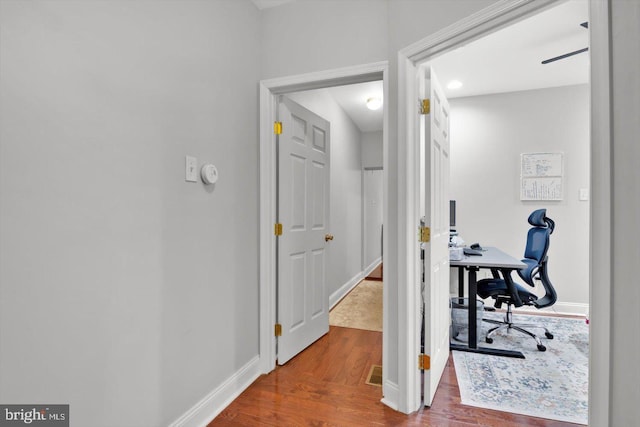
<point x="353" y="99"/>
<point x="508" y="60"/>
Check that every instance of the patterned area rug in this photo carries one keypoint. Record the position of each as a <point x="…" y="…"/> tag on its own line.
<point x="361" y="308"/>
<point x="551" y="384"/>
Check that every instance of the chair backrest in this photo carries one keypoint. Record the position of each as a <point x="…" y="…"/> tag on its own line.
<point x="535" y="255"/>
<point x="538" y="236"/>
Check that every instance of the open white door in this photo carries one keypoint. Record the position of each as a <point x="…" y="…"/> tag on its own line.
<point x="303" y="211"/>
<point x="434" y="144"/>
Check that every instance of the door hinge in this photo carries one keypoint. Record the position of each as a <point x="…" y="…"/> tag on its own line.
<point x="277" y="128"/>
<point x="277" y="229"/>
<point x="424" y="362"/>
<point x="278" y="330"/>
<point x="425" y="106"/>
<point x="425" y="234"/>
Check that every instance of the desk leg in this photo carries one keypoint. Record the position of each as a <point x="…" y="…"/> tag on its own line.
<point x="473" y="324"/>
<point x="461" y="282"/>
<point x="473" y="335"/>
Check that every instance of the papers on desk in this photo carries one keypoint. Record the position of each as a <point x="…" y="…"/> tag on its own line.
<point x="456" y="252"/>
<point x="456" y="241"/>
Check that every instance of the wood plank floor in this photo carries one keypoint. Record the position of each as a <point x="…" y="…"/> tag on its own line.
<point x="325" y="386"/>
<point x="376" y="274"/>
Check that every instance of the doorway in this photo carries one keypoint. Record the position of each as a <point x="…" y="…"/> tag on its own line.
<point x="269" y="91"/>
<point x="405" y="308"/>
<point x="422" y="52"/>
<point x="338" y="240"/>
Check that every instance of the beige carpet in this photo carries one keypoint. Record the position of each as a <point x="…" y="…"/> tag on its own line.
<point x="361" y="308"/>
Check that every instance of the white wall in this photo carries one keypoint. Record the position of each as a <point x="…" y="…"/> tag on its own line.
<point x="345" y="251"/>
<point x="488" y="135"/>
<point x="372" y="156"/>
<point x="372" y="219"/>
<point x="125" y="291"/>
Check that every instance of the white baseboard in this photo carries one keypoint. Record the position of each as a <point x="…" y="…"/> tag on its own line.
<point x="335" y="297"/>
<point x="571" y="308"/>
<point x="390" y="393"/>
<point x="372" y="267"/>
<point x="211" y="405"/>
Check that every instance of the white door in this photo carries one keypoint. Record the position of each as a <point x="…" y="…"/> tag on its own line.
<point x="434" y="141"/>
<point x="303" y="211"/>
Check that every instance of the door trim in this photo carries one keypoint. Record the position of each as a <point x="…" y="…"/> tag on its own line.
<point x="499" y="15"/>
<point x="269" y="90"/>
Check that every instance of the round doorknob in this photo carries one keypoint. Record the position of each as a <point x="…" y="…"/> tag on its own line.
<point x="328" y="237"/>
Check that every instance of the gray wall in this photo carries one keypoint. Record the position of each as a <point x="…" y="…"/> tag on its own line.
<point x="372" y="155"/>
<point x="372" y="218"/>
<point x="311" y="35"/>
<point x="345" y="252"/>
<point x="125" y="291"/>
<point x="114" y="283"/>
<point x="625" y="321"/>
<point x="488" y="135"/>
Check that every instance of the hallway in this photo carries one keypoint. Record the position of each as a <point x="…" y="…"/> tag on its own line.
<point x="325" y="386"/>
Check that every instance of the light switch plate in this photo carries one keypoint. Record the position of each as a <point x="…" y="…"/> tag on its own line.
<point x="190" y="169"/>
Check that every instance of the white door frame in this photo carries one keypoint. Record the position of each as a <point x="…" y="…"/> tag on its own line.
<point x="269" y="90"/>
<point x="486" y="21"/>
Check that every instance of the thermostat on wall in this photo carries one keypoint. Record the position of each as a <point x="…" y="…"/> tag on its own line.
<point x="209" y="173"/>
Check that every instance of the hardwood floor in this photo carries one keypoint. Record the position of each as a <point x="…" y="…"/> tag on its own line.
<point x="376" y="274"/>
<point x="325" y="386"/>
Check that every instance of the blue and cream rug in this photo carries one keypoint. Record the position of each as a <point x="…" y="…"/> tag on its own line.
<point x="551" y="384"/>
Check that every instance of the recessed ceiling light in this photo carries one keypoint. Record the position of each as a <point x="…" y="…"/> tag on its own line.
<point x="374" y="103"/>
<point x="454" y="84"/>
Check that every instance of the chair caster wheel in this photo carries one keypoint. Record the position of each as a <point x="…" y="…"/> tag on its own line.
<point x="489" y="340"/>
<point x="541" y="347"/>
<point x="548" y="335"/>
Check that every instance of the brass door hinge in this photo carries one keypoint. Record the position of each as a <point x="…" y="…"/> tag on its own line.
<point x="424" y="362"/>
<point x="425" y="106"/>
<point x="277" y="128"/>
<point x="425" y="234"/>
<point x="278" y="330"/>
<point x="277" y="229"/>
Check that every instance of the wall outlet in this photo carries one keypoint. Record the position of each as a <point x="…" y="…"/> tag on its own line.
<point x="190" y="169"/>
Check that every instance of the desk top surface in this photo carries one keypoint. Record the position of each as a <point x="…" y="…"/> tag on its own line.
<point x="490" y="258"/>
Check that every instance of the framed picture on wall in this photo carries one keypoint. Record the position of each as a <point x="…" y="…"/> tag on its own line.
<point x="541" y="176"/>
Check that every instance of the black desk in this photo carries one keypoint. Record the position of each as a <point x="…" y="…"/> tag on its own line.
<point x="492" y="258"/>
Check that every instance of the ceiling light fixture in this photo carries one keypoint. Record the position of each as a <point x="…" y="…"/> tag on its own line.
<point x="374" y="103"/>
<point x="454" y="84"/>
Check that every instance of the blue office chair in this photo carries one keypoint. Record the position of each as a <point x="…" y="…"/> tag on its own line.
<point x="504" y="290"/>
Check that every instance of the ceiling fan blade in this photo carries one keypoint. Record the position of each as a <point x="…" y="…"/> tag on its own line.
<point x="566" y="55"/>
